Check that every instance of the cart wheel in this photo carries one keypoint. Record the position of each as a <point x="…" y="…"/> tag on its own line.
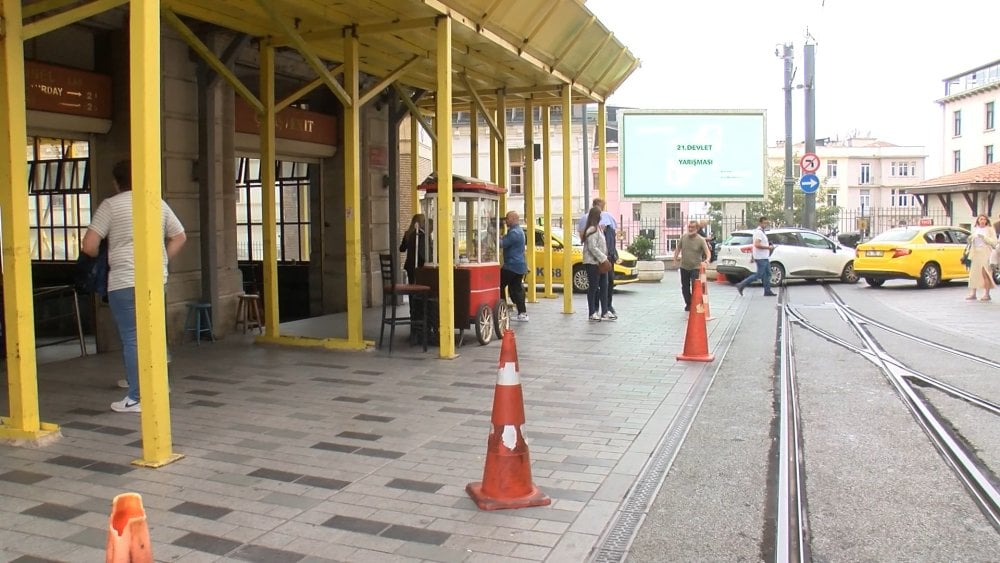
<point x="501" y="318"/>
<point x="484" y="324"/>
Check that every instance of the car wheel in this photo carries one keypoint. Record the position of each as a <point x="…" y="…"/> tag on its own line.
<point x="996" y="276"/>
<point x="484" y="324"/>
<point x="849" y="275"/>
<point x="777" y="275"/>
<point x="874" y="282"/>
<point x="930" y="276"/>
<point x="580" y="282"/>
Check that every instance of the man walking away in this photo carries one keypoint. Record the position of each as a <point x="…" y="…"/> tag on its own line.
<point x="514" y="265"/>
<point x="693" y="252"/>
<point x="610" y="239"/>
<point x="761" y="253"/>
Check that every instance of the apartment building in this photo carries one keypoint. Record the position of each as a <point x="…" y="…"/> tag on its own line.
<point x="969" y="118"/>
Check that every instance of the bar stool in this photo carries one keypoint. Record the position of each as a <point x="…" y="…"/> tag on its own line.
<point x="199" y="321"/>
<point x="248" y="313"/>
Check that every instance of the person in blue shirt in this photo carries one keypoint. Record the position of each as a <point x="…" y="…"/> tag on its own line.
<point x="514" y="265"/>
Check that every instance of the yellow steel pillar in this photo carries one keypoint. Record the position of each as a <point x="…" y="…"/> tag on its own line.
<point x="352" y="191"/>
<point x="415" y="178"/>
<point x="602" y="154"/>
<point x="267" y="187"/>
<point x="442" y="157"/>
<point x="567" y="198"/>
<point x="528" y="185"/>
<point x="547" y="198"/>
<point x="147" y="231"/>
<point x="494" y="143"/>
<point x="503" y="173"/>
<point x="474" y="141"/>
<point x="23" y="425"/>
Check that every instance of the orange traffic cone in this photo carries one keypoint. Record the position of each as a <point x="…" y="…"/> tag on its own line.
<point x="720" y="277"/>
<point x="128" y="535"/>
<point x="696" y="340"/>
<point x="704" y="285"/>
<point x="507" y="476"/>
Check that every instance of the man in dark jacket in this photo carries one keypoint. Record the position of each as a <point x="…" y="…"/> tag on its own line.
<point x="609" y="224"/>
<point x="514" y="265"/>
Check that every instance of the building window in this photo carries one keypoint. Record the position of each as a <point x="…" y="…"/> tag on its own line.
<point x="831" y="169"/>
<point x="865" y="176"/>
<point x="958" y="123"/>
<point x="865" y="199"/>
<point x="904" y="169"/>
<point x="957" y="156"/>
<point x="899" y="198"/>
<point x="58" y="198"/>
<point x="516" y="185"/>
<point x="636" y="212"/>
<point x="291" y="193"/>
<point x="989" y="154"/>
<point x="673" y="214"/>
<point x="989" y="116"/>
<point x="831" y="200"/>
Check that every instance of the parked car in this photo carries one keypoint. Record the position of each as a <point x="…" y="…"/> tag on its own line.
<point x="928" y="255"/>
<point x="798" y="254"/>
<point x="625" y="272"/>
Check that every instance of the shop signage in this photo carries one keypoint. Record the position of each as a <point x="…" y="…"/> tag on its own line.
<point x="290" y="123"/>
<point x="67" y="90"/>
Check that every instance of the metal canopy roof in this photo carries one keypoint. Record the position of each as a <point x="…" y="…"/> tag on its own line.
<point x="528" y="48"/>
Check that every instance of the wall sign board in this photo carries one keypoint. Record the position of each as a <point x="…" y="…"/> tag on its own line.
<point x="290" y="123"/>
<point x="65" y="90"/>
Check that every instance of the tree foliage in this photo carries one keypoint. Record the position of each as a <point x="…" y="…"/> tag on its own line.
<point x="773" y="204"/>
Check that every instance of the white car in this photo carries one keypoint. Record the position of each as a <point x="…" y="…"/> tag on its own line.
<point x="798" y="254"/>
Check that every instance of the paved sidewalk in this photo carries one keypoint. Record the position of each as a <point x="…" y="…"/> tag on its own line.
<point x="304" y="455"/>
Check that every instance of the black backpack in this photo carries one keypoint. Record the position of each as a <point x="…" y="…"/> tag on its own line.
<point x="92" y="272"/>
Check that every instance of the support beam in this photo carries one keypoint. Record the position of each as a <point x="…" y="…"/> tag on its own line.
<point x="42" y="6"/>
<point x="567" y="197"/>
<point x="414" y="165"/>
<point x="540" y="23"/>
<point x="352" y="192"/>
<point x="212" y="60"/>
<point x="415" y="111"/>
<point x="592" y="56"/>
<point x="267" y="181"/>
<point x="572" y="41"/>
<point x="305" y="50"/>
<point x="69" y="17"/>
<point x="602" y="154"/>
<point x="479" y="104"/>
<point x="528" y="188"/>
<point x="474" y="141"/>
<point x="395" y="27"/>
<point x="147" y="231"/>
<point x="445" y="215"/>
<point x="503" y="171"/>
<point x="386" y="81"/>
<point x="547" y="197"/>
<point x="298" y="94"/>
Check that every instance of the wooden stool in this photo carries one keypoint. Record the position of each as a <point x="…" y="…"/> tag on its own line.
<point x="199" y="321"/>
<point x="248" y="313"/>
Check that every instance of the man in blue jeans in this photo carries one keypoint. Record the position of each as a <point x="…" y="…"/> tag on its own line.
<point x="761" y="253"/>
<point x="113" y="220"/>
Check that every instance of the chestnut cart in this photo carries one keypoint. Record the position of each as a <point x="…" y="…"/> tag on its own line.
<point x="475" y="249"/>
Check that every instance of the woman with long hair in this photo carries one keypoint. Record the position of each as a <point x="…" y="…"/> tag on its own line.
<point x="413" y="246"/>
<point x="981" y="244"/>
<point x="595" y="251"/>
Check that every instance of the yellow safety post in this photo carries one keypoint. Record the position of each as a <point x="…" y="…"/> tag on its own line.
<point x="352" y="191"/>
<point x="547" y="198"/>
<point x="415" y="178"/>
<point x="23" y="425"/>
<point x="528" y="186"/>
<point x="267" y="181"/>
<point x="442" y="163"/>
<point x="147" y="231"/>
<point x="602" y="154"/>
<point x="567" y="198"/>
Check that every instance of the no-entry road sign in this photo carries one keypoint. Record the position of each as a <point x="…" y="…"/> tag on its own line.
<point x="809" y="163"/>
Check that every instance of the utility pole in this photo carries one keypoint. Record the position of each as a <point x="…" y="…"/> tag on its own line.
<point x="788" y="56"/>
<point x="809" y="68"/>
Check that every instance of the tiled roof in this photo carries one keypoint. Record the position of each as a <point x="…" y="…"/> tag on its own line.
<point x="988" y="174"/>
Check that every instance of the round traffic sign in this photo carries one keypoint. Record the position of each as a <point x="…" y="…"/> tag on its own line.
<point x="809" y="183"/>
<point x="809" y="162"/>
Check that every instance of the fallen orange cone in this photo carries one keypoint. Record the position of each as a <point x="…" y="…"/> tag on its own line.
<point x="507" y="475"/>
<point x="696" y="340"/>
<point x="128" y="534"/>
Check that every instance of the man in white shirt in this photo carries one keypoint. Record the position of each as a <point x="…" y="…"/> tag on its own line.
<point x="761" y="253"/>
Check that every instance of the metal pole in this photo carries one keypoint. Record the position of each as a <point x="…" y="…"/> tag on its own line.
<point x="788" y="56"/>
<point x="809" y="68"/>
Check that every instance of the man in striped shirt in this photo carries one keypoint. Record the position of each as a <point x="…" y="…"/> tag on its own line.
<point x="113" y="220"/>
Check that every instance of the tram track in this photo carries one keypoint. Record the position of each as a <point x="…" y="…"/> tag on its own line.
<point x="792" y="537"/>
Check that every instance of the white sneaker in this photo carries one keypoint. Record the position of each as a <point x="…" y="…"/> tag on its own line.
<point x="122" y="384"/>
<point x="609" y="316"/>
<point x="595" y="317"/>
<point x="126" y="405"/>
<point x="523" y="317"/>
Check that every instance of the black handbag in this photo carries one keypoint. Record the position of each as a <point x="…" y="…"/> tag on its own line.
<point x="966" y="261"/>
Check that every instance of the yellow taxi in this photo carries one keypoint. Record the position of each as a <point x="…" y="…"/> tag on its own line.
<point x="625" y="271"/>
<point x="928" y="255"/>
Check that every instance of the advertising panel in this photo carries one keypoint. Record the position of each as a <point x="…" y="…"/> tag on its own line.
<point x="693" y="155"/>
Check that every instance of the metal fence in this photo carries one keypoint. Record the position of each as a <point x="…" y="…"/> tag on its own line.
<point x="861" y="224"/>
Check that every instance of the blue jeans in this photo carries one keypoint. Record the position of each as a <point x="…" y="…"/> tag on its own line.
<point x="122" y="302"/>
<point x="597" y="290"/>
<point x="763" y="274"/>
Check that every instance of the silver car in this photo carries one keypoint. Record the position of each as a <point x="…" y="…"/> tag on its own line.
<point x="798" y="254"/>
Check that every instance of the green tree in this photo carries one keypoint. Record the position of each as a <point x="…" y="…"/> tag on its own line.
<point x="773" y="204"/>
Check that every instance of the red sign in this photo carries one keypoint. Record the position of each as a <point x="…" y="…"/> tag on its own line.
<point x="925" y="221"/>
<point x="377" y="157"/>
<point x="290" y="123"/>
<point x="809" y="163"/>
<point x="67" y="90"/>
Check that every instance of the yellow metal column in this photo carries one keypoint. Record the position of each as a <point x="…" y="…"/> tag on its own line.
<point x="352" y="192"/>
<point x="528" y="185"/>
<point x="474" y="142"/>
<point x="22" y="382"/>
<point x="494" y="156"/>
<point x="268" y="216"/>
<point x="445" y="215"/>
<point x="503" y="172"/>
<point x="567" y="198"/>
<point x="547" y="198"/>
<point x="147" y="231"/>
<point x="415" y="178"/>
<point x="602" y="154"/>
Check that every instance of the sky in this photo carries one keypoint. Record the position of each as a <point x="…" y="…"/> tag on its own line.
<point x="880" y="64"/>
